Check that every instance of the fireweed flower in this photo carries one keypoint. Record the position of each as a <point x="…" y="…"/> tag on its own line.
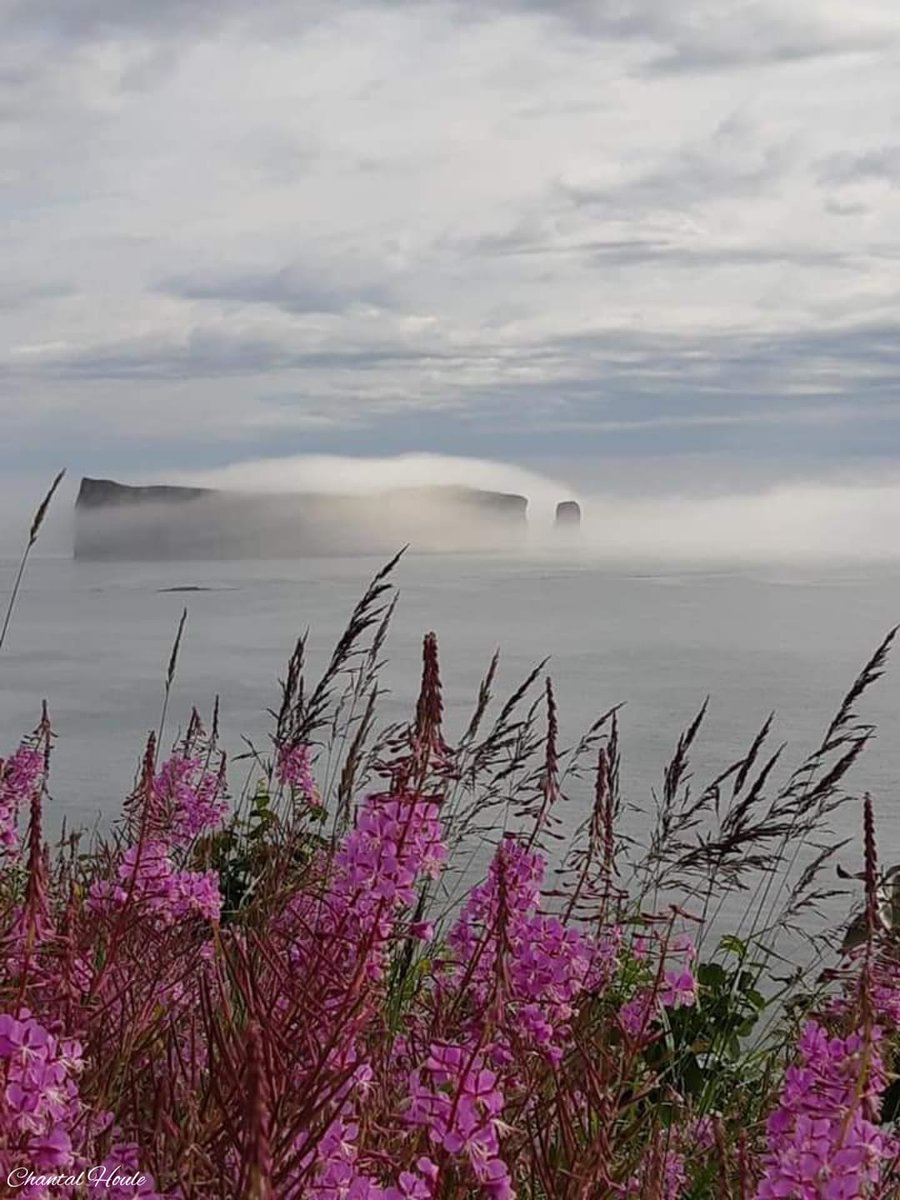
<point x="370" y="1058"/>
<point x="333" y="1159"/>
<point x="123" y="1163"/>
<point x="20" y="775"/>
<point x="338" y="1176"/>
<point x="188" y="800"/>
<point x="679" y="990"/>
<point x="605" y="957"/>
<point x="883" y="983"/>
<point x="39" y="1090"/>
<point x="146" y="874"/>
<point x="339" y="934"/>
<point x="700" y="1133"/>
<point x="459" y="1101"/>
<point x="823" y="1143"/>
<point x="293" y="770"/>
<point x="682" y="944"/>
<point x="636" y="1016"/>
<point x="547" y="964"/>
<point x="396" y="841"/>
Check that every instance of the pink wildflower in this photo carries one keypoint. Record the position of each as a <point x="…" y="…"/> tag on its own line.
<point x="547" y="964"/>
<point x="636" y="1015"/>
<point x="19" y="777"/>
<point x="40" y="1103"/>
<point x="147" y="875"/>
<point x="294" y="771"/>
<point x="680" y="990"/>
<point x="458" y="1099"/>
<point x="188" y="800"/>
<point x="823" y="1143"/>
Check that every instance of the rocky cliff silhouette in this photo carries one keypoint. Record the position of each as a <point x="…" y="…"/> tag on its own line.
<point x="116" y="521"/>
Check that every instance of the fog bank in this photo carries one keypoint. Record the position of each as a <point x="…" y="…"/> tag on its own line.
<point x="816" y="520"/>
<point x="791" y="522"/>
<point x="637" y="515"/>
<point x="337" y="475"/>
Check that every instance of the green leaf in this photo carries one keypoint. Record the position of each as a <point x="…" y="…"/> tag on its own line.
<point x="712" y="975"/>
<point x="733" y="945"/>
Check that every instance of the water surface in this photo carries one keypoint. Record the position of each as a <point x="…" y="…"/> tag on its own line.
<point x="94" y="640"/>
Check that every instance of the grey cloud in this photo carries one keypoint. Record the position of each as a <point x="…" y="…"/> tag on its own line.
<point x="20" y="294"/>
<point x="89" y="19"/>
<point x="653" y="373"/>
<point x="619" y="19"/>
<point x="621" y="382"/>
<point x="294" y="289"/>
<point x="686" y="57"/>
<point x="167" y="22"/>
<point x="732" y="374"/>
<point x="845" y="208"/>
<point x="626" y="391"/>
<point x="693" y="36"/>
<point x="210" y="354"/>
<point x="100" y="18"/>
<point x="880" y="165"/>
<point x="730" y="162"/>
<point x="646" y="251"/>
<point x="42" y="38"/>
<point x="693" y="256"/>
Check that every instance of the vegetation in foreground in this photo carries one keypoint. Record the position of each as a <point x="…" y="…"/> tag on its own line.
<point x="299" y="994"/>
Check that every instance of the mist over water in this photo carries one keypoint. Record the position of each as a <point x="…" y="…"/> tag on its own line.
<point x="648" y="512"/>
<point x="788" y="523"/>
<point x="805" y="521"/>
<point x="344" y="475"/>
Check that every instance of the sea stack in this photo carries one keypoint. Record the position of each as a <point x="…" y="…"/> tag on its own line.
<point x="568" y="515"/>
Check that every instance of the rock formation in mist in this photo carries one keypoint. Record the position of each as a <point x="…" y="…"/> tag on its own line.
<point x="568" y="515"/>
<point x="115" y="521"/>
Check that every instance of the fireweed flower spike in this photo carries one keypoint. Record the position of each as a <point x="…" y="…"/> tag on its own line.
<point x="458" y="1100"/>
<point x="189" y="799"/>
<point x="147" y="877"/>
<point x="20" y="777"/>
<point x="546" y="964"/>
<point x="822" y="1141"/>
<point x="294" y="771"/>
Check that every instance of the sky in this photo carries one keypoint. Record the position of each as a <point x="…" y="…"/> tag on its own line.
<point x="607" y="239"/>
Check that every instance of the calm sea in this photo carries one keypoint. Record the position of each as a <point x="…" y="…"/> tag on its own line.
<point x="94" y="640"/>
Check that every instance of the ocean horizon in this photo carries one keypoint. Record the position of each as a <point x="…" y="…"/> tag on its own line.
<point x="94" y="640"/>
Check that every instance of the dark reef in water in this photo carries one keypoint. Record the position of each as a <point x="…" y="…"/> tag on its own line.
<point x="115" y="521"/>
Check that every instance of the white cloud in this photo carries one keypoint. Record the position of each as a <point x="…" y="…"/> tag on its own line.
<point x="369" y="209"/>
<point x="342" y="475"/>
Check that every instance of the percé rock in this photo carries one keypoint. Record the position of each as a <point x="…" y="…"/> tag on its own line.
<point x="116" y="521"/>
<point x="102" y="493"/>
<point x="568" y="514"/>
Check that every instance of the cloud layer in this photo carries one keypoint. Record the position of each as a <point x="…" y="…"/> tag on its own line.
<point x="507" y="230"/>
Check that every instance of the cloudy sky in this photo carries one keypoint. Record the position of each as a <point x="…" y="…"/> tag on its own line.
<point x="539" y="231"/>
